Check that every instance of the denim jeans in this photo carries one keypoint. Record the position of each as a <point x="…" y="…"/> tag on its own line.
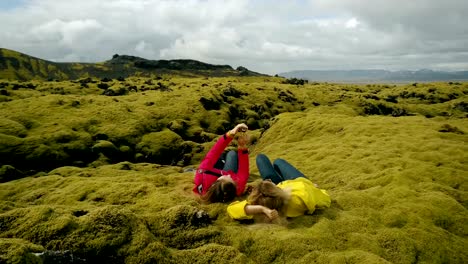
<point x="228" y="161"/>
<point x="277" y="172"/>
<point x="231" y="161"/>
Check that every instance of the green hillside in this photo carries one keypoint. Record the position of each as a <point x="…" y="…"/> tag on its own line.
<point x="101" y="170"/>
<point x="18" y="66"/>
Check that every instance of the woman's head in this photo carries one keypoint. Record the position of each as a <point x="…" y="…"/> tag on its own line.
<point x="223" y="190"/>
<point x="269" y="195"/>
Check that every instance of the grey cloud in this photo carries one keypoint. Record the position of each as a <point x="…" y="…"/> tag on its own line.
<point x="265" y="36"/>
<point x="425" y="20"/>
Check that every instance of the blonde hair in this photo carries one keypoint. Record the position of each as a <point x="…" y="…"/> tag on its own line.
<point x="267" y="194"/>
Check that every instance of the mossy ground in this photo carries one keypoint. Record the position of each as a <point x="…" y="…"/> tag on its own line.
<point x="110" y="179"/>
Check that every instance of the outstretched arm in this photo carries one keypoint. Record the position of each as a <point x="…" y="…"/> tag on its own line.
<point x="260" y="209"/>
<point x="243" y="210"/>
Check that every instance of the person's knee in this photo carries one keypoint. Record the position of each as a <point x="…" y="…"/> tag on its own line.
<point x="231" y="153"/>
<point x="279" y="161"/>
<point x="262" y="158"/>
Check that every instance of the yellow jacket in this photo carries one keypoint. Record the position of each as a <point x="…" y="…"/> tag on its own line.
<point x="305" y="197"/>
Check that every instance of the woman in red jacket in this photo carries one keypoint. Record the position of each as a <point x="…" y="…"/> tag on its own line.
<point x="223" y="185"/>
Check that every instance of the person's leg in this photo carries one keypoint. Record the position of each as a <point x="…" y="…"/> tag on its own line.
<point x="231" y="161"/>
<point x="267" y="172"/>
<point x="286" y="170"/>
<point x="221" y="161"/>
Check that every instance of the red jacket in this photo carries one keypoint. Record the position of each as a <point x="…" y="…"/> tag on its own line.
<point x="206" y="174"/>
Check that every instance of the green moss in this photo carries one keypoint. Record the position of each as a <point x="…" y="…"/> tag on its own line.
<point x="9" y="173"/>
<point x="10" y="127"/>
<point x="13" y="251"/>
<point x="349" y="256"/>
<point x="184" y="227"/>
<point x="153" y="252"/>
<point x="211" y="253"/>
<point x="42" y="225"/>
<point x="101" y="233"/>
<point x="398" y="184"/>
<point x="107" y="148"/>
<point x="397" y="247"/>
<point x="395" y="218"/>
<point x="161" y="147"/>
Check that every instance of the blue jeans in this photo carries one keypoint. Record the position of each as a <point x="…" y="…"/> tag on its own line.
<point x="228" y="161"/>
<point x="231" y="161"/>
<point x="277" y="172"/>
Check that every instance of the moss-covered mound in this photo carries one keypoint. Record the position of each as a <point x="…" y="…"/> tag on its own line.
<point x="66" y="123"/>
<point x="89" y="177"/>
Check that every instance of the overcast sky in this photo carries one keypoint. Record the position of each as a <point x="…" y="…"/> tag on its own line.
<point x="264" y="36"/>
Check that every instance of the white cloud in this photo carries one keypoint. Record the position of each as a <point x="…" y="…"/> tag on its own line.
<point x="68" y="33"/>
<point x="265" y="36"/>
<point x="352" y="23"/>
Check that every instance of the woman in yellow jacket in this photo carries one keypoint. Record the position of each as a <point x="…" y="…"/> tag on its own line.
<point x="284" y="191"/>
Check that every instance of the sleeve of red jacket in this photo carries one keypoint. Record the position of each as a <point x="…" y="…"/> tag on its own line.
<point x="243" y="170"/>
<point x="215" y="152"/>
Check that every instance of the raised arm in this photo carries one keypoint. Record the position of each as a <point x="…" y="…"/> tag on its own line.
<point x="215" y="152"/>
<point x="243" y="167"/>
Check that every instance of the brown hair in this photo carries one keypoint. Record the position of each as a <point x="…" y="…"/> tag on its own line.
<point x="269" y="195"/>
<point x="220" y="192"/>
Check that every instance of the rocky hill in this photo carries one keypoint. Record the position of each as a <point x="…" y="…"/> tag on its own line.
<point x="19" y="66"/>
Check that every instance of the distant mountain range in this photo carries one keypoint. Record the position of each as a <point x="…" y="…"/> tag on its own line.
<point x="376" y="75"/>
<point x="18" y="66"/>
